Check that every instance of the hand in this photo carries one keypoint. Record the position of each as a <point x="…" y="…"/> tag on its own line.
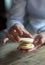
<point x="15" y="33"/>
<point x="39" y="39"/>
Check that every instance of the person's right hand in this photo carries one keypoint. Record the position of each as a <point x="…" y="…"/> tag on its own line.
<point x="15" y="33"/>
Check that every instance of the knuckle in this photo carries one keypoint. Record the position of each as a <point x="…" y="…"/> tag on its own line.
<point x="18" y="39"/>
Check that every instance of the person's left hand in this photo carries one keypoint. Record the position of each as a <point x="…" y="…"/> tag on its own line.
<point x="39" y="39"/>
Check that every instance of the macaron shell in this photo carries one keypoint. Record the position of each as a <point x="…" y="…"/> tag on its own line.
<point x="27" y="46"/>
<point x="27" y="39"/>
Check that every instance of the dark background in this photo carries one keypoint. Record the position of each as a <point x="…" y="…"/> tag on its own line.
<point x="2" y="15"/>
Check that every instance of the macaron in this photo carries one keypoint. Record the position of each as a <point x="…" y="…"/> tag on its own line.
<point x="27" y="44"/>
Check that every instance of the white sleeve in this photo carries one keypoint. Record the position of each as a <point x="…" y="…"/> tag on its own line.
<point x="16" y="13"/>
<point x="12" y="22"/>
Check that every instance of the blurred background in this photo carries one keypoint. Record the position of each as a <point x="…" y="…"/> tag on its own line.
<point x="4" y="7"/>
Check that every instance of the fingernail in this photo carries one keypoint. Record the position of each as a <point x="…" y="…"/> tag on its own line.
<point x="3" y="43"/>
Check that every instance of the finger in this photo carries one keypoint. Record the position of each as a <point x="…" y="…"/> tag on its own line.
<point x="28" y="50"/>
<point x="19" y="29"/>
<point x="37" y="41"/>
<point x="22" y="50"/>
<point x="40" y="42"/>
<point x="11" y="37"/>
<point x="15" y="35"/>
<point x="34" y="35"/>
<point x="5" y="40"/>
<point x="38" y="37"/>
<point x="8" y="37"/>
<point x="27" y="34"/>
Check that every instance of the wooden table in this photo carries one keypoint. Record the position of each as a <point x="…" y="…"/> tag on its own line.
<point x="9" y="55"/>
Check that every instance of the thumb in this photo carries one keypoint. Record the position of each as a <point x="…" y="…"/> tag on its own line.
<point x="27" y="34"/>
<point x="5" y="40"/>
<point x="38" y="41"/>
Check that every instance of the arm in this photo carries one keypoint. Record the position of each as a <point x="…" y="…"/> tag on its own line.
<point x="16" y="13"/>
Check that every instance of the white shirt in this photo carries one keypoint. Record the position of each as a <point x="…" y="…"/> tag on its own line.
<point x="36" y="10"/>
